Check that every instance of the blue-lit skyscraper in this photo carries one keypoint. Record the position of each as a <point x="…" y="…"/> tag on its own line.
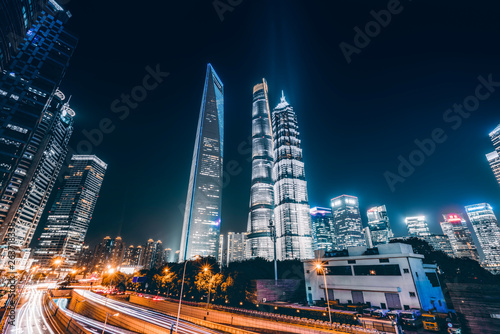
<point x="487" y="231"/>
<point x="323" y="229"/>
<point x="202" y="217"/>
<point x="378" y="225"/>
<point x="291" y="210"/>
<point x="261" y="192"/>
<point x="35" y="123"/>
<point x="347" y="222"/>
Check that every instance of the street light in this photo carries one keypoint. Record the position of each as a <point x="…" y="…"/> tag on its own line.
<point x="209" y="287"/>
<point x="180" y="297"/>
<point x="319" y="266"/>
<point x="272" y="229"/>
<point x="74" y="311"/>
<point x="58" y="263"/>
<point x="106" y="321"/>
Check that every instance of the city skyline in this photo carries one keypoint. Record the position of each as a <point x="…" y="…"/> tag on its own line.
<point x="370" y="187"/>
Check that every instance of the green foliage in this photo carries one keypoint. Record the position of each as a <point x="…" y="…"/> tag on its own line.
<point x="451" y="270"/>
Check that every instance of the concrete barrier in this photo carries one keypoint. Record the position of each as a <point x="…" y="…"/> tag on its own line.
<point x="62" y="318"/>
<point x="98" y="312"/>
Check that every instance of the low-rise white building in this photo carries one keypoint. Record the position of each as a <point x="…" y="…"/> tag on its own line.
<point x="388" y="276"/>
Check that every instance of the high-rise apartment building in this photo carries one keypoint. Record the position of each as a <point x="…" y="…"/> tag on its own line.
<point x="493" y="157"/>
<point x="347" y="222"/>
<point x="71" y="212"/>
<point x="147" y="254"/>
<point x="202" y="217"/>
<point x="132" y="257"/>
<point x="37" y="172"/>
<point x="455" y="227"/>
<point x="221" y="260"/>
<point x="167" y="253"/>
<point x="291" y="206"/>
<point x="379" y="227"/>
<point x="417" y="227"/>
<point x="236" y="243"/>
<point x="261" y="192"/>
<point x="487" y="231"/>
<point x="33" y="116"/>
<point x="16" y="18"/>
<point x="323" y="228"/>
<point x="440" y="242"/>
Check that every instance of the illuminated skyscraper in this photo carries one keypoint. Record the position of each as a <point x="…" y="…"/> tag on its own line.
<point x="34" y="124"/>
<point x="493" y="157"/>
<point x="323" y="229"/>
<point x="37" y="172"/>
<point x="202" y="217"/>
<point x="417" y="227"/>
<point x="347" y="222"/>
<point x="236" y="245"/>
<point x="486" y="227"/>
<point x="378" y="225"/>
<point x="455" y="227"/>
<point x="16" y="18"/>
<point x="440" y="243"/>
<point x="261" y="192"/>
<point x="71" y="212"/>
<point x="291" y="211"/>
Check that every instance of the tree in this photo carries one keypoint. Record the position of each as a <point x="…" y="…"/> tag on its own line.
<point x="116" y="279"/>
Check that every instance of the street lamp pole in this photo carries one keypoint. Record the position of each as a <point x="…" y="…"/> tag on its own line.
<point x="74" y="311"/>
<point x="320" y="267"/>
<point x="209" y="288"/>
<point x="180" y="297"/>
<point x="106" y="321"/>
<point x="272" y="229"/>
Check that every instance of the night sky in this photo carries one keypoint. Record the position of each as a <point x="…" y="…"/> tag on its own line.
<point x="355" y="118"/>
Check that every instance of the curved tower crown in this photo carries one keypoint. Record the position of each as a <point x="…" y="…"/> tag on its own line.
<point x="259" y="243"/>
<point x="202" y="217"/>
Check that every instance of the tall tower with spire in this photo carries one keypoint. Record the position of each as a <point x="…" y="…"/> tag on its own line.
<point x="291" y="211"/>
<point x="259" y="242"/>
<point x="202" y="217"/>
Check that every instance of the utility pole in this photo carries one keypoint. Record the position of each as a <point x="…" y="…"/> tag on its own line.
<point x="272" y="229"/>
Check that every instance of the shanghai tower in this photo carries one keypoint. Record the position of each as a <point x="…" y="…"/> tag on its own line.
<point x="259" y="242"/>
<point x="202" y="216"/>
<point x="291" y="211"/>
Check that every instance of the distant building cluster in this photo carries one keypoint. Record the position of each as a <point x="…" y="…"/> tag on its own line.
<point x="113" y="253"/>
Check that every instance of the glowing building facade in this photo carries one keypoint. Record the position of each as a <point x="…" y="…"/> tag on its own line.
<point x="35" y="124"/>
<point x="236" y="245"/>
<point x="261" y="192"/>
<point x="202" y="217"/>
<point x="323" y="229"/>
<point x="487" y="231"/>
<point x="455" y="227"/>
<point x="71" y="213"/>
<point x="347" y="222"/>
<point x="379" y="226"/>
<point x="493" y="157"/>
<point x="417" y="227"/>
<point x="291" y="211"/>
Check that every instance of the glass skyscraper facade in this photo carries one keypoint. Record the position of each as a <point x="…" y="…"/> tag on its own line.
<point x="455" y="227"/>
<point x="487" y="231"/>
<point x="37" y="172"/>
<point x="202" y="217"/>
<point x="236" y="245"/>
<point x="71" y="213"/>
<point x="291" y="211"/>
<point x="347" y="222"/>
<point x="493" y="157"/>
<point x="261" y="192"/>
<point x="378" y="225"/>
<point x="323" y="229"/>
<point x="16" y="18"/>
<point x="34" y="124"/>
<point x="417" y="227"/>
